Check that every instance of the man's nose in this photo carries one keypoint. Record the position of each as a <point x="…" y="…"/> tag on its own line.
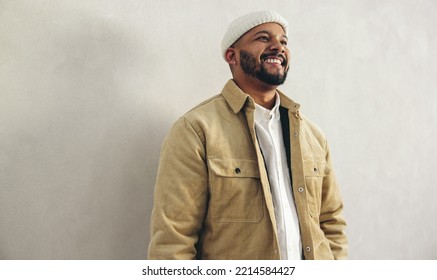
<point x="278" y="46"/>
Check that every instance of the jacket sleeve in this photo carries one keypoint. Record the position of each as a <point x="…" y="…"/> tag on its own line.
<point x="180" y="196"/>
<point x="332" y="221"/>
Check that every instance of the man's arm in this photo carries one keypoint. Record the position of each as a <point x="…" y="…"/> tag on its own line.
<point x="332" y="221"/>
<point x="180" y="197"/>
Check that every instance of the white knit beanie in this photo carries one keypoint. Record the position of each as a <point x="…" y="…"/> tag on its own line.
<point x="241" y="25"/>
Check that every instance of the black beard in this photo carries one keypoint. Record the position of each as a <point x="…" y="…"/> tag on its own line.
<point x="249" y="66"/>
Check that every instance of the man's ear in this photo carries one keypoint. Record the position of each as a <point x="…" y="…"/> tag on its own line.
<point x="230" y="56"/>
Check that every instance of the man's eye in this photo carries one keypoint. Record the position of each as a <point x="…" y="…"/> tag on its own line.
<point x="263" y="38"/>
<point x="284" y="43"/>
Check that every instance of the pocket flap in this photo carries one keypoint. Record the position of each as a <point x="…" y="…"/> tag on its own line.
<point x="230" y="167"/>
<point x="316" y="167"/>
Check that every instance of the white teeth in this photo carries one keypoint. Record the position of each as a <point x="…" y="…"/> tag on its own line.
<point x="273" y="60"/>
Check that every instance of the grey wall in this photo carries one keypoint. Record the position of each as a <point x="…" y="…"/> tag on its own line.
<point x="88" y="90"/>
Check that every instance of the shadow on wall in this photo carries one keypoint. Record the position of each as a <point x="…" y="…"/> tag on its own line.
<point x="113" y="109"/>
<point x="83" y="151"/>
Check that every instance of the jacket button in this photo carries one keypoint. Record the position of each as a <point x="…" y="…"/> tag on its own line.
<point x="300" y="189"/>
<point x="308" y="249"/>
<point x="237" y="170"/>
<point x="296" y="134"/>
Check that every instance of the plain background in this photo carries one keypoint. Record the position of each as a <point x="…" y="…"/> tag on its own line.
<point x="89" y="89"/>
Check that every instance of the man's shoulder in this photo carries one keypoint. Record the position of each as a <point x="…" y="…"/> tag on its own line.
<point x="203" y="117"/>
<point x="206" y="104"/>
<point x="310" y="127"/>
<point x="207" y="109"/>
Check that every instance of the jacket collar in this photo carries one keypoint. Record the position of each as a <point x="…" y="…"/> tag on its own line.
<point x="237" y="99"/>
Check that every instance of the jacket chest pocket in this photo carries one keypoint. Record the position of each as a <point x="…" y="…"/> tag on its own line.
<point x="315" y="170"/>
<point x="236" y="191"/>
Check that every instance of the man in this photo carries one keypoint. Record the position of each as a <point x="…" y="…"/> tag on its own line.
<point x="244" y="175"/>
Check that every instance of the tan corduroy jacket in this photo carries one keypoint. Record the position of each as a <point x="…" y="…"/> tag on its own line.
<point x="212" y="196"/>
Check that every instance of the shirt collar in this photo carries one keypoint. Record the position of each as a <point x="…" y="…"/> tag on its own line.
<point x="263" y="113"/>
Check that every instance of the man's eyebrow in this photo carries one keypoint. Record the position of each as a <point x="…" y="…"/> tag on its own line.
<point x="265" y="31"/>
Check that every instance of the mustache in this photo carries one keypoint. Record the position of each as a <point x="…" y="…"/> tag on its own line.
<point x="275" y="54"/>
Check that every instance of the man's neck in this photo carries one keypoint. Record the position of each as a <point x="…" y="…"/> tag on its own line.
<point x="263" y="94"/>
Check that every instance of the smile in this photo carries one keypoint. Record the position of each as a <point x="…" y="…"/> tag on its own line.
<point x="273" y="61"/>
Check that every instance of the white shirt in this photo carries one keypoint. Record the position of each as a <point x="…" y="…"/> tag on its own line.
<point x="269" y="132"/>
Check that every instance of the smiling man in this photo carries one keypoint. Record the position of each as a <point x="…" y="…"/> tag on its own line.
<point x="244" y="175"/>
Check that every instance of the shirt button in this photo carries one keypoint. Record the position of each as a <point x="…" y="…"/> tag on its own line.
<point x="237" y="170"/>
<point x="308" y="249"/>
<point x="300" y="189"/>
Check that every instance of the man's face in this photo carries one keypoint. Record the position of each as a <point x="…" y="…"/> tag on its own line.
<point x="262" y="53"/>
